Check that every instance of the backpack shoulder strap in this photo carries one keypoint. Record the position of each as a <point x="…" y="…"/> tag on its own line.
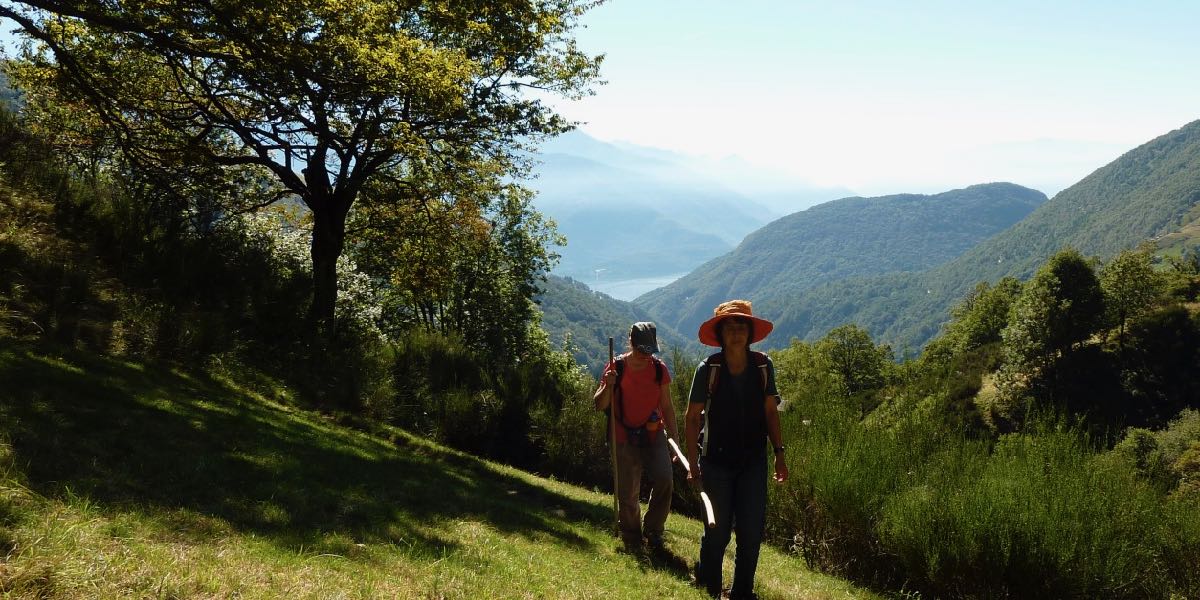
<point x="658" y="370"/>
<point x="760" y="360"/>
<point x="713" y="363"/>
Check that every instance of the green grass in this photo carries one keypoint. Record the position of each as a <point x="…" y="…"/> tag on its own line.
<point x="122" y="480"/>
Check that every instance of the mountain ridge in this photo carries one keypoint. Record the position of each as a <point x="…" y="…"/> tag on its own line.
<point x="841" y="239"/>
<point x="1149" y="191"/>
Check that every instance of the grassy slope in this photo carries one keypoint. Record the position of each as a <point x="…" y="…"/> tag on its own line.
<point x="124" y="480"/>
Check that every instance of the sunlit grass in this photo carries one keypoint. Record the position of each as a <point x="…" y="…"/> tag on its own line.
<point x="124" y="481"/>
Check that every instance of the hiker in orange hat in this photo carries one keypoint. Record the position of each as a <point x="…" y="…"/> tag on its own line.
<point x="732" y="415"/>
<point x="637" y="384"/>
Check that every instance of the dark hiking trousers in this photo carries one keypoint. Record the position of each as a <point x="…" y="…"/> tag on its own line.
<point x="739" y="498"/>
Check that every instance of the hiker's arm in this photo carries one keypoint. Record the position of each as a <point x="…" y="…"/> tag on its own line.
<point x="771" y="407"/>
<point x="603" y="396"/>
<point x="668" y="410"/>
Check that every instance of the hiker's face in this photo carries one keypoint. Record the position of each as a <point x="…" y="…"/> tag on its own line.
<point x="638" y="354"/>
<point x="735" y="333"/>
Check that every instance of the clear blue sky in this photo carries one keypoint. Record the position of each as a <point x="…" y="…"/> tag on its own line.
<point x="886" y="97"/>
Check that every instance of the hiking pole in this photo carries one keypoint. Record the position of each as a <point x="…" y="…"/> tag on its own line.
<point x="612" y="439"/>
<point x="710" y="519"/>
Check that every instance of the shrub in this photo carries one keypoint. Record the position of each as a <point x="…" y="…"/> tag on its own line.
<point x="1036" y="514"/>
<point x="1038" y="517"/>
<point x="1158" y="456"/>
<point x="577" y="446"/>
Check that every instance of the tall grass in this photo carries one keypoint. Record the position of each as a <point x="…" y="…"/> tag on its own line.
<point x="841" y="474"/>
<point x="1038" y="514"/>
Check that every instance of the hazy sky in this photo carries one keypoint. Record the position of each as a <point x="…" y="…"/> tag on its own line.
<point x="886" y="97"/>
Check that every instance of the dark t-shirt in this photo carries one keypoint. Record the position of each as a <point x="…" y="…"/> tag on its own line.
<point x="735" y="428"/>
<point x="699" y="391"/>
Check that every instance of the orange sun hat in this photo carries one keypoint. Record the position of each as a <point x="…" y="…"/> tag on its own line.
<point x="733" y="308"/>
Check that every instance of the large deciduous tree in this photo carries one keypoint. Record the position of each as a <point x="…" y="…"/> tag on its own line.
<point x="324" y="97"/>
<point x="1060" y="307"/>
<point x="1057" y="311"/>
<point x="463" y="260"/>
<point x="1130" y="286"/>
<point x="859" y="366"/>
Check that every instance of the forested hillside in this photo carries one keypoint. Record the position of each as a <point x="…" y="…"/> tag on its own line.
<point x="1147" y="193"/>
<point x="570" y="308"/>
<point x="838" y="240"/>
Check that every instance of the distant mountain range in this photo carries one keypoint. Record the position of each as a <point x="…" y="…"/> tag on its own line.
<point x="629" y="212"/>
<point x="1151" y="192"/>
<point x="897" y="264"/>
<point x="843" y="239"/>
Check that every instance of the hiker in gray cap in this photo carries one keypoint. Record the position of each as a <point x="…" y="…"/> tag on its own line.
<point x="637" y="385"/>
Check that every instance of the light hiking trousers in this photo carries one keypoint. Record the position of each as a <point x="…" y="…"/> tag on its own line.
<point x="655" y="462"/>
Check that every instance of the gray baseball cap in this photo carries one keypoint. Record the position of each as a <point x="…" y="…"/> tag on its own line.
<point x="644" y="337"/>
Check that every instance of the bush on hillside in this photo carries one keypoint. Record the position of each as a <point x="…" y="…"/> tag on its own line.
<point x="1158" y="456"/>
<point x="1161" y="366"/>
<point x="1035" y="517"/>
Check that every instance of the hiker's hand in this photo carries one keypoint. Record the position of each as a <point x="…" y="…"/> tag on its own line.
<point x="693" y="477"/>
<point x="781" y="470"/>
<point x="610" y="377"/>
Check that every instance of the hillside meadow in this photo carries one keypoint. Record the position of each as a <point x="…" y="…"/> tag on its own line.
<point x="126" y="480"/>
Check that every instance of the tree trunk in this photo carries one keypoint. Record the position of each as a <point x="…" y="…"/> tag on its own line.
<point x="328" y="240"/>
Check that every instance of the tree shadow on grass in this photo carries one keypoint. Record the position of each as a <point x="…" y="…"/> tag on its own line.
<point x="143" y="438"/>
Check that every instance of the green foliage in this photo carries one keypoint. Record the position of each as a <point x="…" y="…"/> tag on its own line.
<point x="1183" y="275"/>
<point x="858" y="367"/>
<point x="1085" y="530"/>
<point x="1038" y="514"/>
<point x="1158" y="456"/>
<point x="467" y="266"/>
<point x="981" y="317"/>
<point x="1188" y="468"/>
<point x="314" y="100"/>
<point x="802" y="372"/>
<point x="1160" y="365"/>
<point x="922" y="494"/>
<point x="1057" y="310"/>
<point x="1131" y="286"/>
<point x="1148" y="192"/>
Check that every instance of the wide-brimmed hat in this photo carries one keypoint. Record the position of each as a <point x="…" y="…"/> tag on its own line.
<point x="733" y="308"/>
